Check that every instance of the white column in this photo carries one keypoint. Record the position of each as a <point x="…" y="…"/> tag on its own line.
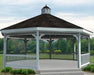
<point x="74" y="50"/>
<point x="5" y="49"/>
<point x="37" y="48"/>
<point x="89" y="48"/>
<point x="25" y="47"/>
<point x="79" y="50"/>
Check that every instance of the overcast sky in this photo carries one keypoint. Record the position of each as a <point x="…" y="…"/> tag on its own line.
<point x="79" y="12"/>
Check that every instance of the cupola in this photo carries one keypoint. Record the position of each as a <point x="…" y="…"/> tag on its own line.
<point x="46" y="10"/>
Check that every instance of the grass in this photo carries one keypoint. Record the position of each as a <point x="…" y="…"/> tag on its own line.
<point x="92" y="59"/>
<point x="57" y="56"/>
<point x="63" y="56"/>
<point x="1" y="63"/>
<point x="60" y="56"/>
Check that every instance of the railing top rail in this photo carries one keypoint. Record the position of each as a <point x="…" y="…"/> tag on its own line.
<point x="16" y="55"/>
<point x="85" y="54"/>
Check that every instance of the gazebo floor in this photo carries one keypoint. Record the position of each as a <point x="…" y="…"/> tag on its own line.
<point x="59" y="67"/>
<point x="57" y="64"/>
<point x="45" y="64"/>
<point x="50" y="66"/>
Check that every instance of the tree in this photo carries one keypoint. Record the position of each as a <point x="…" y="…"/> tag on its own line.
<point x="1" y="45"/>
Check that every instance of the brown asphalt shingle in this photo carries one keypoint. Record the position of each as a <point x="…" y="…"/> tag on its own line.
<point x="43" y="20"/>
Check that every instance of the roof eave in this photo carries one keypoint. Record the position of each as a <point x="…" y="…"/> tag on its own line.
<point x="45" y="29"/>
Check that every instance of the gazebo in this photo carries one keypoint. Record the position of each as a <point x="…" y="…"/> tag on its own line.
<point x="45" y="26"/>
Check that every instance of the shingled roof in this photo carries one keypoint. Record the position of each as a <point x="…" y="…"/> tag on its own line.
<point x="43" y="20"/>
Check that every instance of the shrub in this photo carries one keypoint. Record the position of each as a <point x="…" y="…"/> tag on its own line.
<point x="29" y="51"/>
<point x="92" y="69"/>
<point x="19" y="71"/>
<point x="30" y="71"/>
<point x="1" y="52"/>
<point x="57" y="51"/>
<point x="3" y="70"/>
<point x="22" y="51"/>
<point x="47" y="51"/>
<point x="11" y="52"/>
<point x="13" y="71"/>
<point x="92" y="52"/>
<point x="89" y="68"/>
<point x="7" y="69"/>
<point x="24" y="72"/>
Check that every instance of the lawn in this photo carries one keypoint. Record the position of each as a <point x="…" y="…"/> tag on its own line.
<point x="1" y="62"/>
<point x="57" y="56"/>
<point x="92" y="59"/>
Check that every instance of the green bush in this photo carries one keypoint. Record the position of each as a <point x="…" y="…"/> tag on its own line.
<point x="57" y="51"/>
<point x="30" y="71"/>
<point x="48" y="51"/>
<point x="89" y="68"/>
<point x="7" y="69"/>
<point x="18" y="71"/>
<point x="24" y="72"/>
<point x="11" y="52"/>
<point x="22" y="51"/>
<point x="92" y="52"/>
<point x="29" y="51"/>
<point x="3" y="70"/>
<point x="13" y="71"/>
<point x="92" y="69"/>
<point x="1" y="52"/>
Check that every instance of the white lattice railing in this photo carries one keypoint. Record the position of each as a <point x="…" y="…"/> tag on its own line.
<point x="21" y="61"/>
<point x="85" y="59"/>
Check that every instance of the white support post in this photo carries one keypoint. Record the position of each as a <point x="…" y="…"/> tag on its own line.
<point x="38" y="37"/>
<point x="25" y="46"/>
<point x="89" y="48"/>
<point x="5" y="49"/>
<point x="74" y="50"/>
<point x="79" y="50"/>
<point x="37" y="48"/>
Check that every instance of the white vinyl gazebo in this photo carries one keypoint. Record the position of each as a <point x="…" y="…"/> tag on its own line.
<point x="44" y="26"/>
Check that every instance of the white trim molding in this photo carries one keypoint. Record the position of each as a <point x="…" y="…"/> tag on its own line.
<point x="85" y="64"/>
<point x="45" y="29"/>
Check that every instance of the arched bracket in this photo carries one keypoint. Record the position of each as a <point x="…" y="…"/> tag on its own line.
<point x="76" y="37"/>
<point x="41" y="35"/>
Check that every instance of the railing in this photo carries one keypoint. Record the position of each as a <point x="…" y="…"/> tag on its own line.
<point x="85" y="59"/>
<point x="21" y="61"/>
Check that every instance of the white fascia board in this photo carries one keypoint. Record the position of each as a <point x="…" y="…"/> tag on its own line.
<point x="21" y="30"/>
<point x="48" y="29"/>
<point x="87" y="32"/>
<point x="66" y="30"/>
<point x="59" y="29"/>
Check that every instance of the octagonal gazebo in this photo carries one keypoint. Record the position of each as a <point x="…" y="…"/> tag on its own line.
<point x="42" y="27"/>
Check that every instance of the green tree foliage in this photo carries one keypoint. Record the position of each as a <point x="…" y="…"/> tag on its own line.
<point x="92" y="44"/>
<point x="1" y="45"/>
<point x="15" y="46"/>
<point x="31" y="45"/>
<point x="84" y="45"/>
<point x="65" y="45"/>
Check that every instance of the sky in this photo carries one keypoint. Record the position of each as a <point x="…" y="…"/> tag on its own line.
<point x="79" y="12"/>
